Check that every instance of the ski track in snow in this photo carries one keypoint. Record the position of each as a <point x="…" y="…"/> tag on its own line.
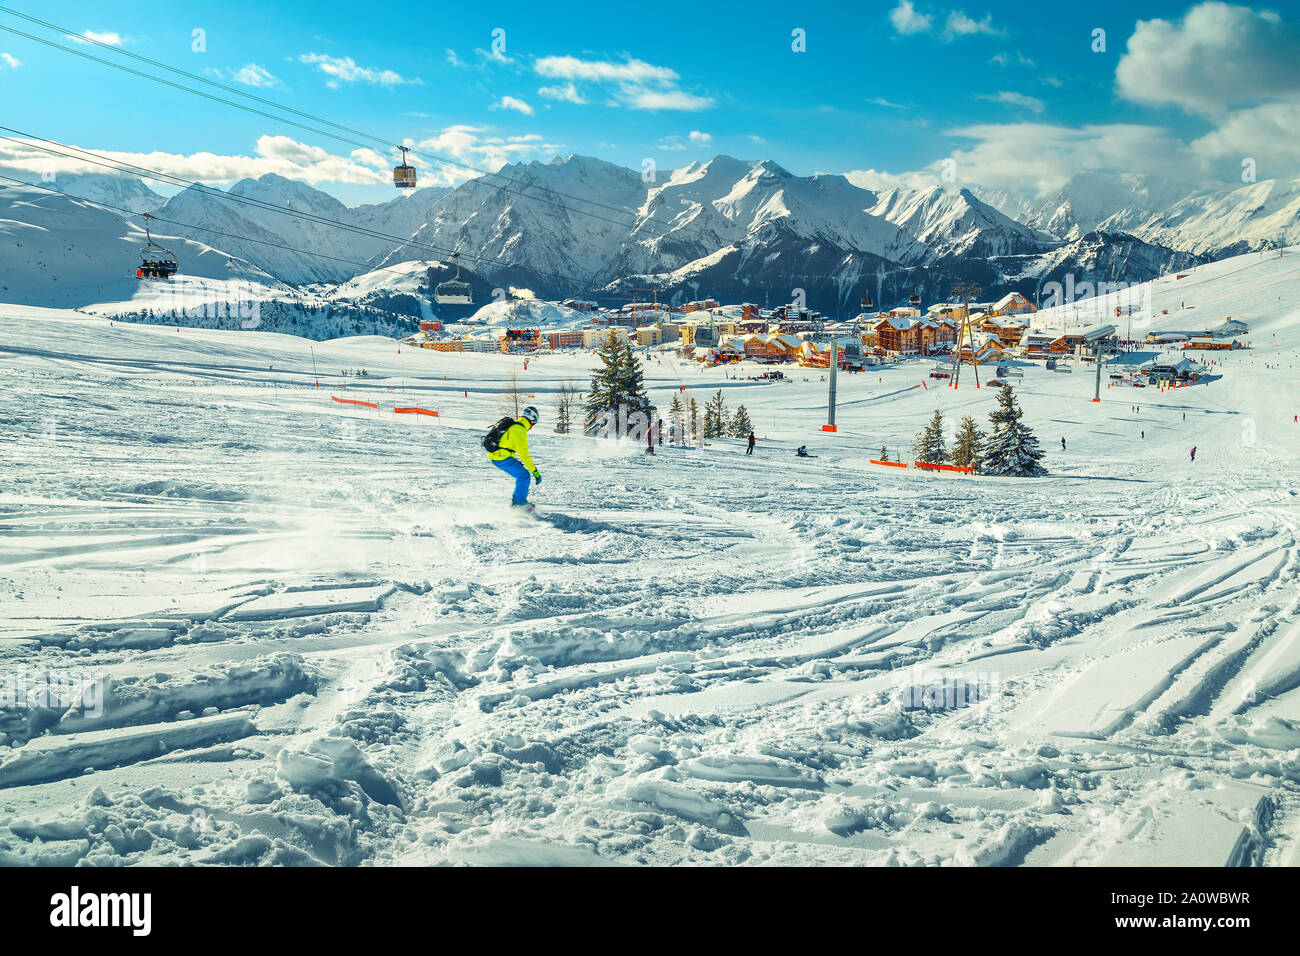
<point x="321" y="638"/>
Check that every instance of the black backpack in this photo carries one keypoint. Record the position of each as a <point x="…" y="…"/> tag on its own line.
<point x="492" y="440"/>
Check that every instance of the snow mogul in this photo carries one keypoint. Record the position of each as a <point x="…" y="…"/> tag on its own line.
<point x="507" y="448"/>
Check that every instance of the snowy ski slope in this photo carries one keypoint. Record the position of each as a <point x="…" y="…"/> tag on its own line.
<point x="321" y="637"/>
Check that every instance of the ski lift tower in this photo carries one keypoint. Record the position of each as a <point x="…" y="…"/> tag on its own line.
<point x="1096" y="357"/>
<point x="967" y="291"/>
<point x="830" y="401"/>
<point x="866" y="303"/>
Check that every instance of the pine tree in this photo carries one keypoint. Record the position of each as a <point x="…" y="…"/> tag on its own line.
<point x="567" y="397"/>
<point x="884" y="453"/>
<point x="741" y="426"/>
<point x="604" y="381"/>
<point x="715" y="416"/>
<point x="929" y="446"/>
<point x="632" y="392"/>
<point x="1012" y="448"/>
<point x="617" y="384"/>
<point x="969" y="444"/>
<point x="675" y="419"/>
<point x="694" y="422"/>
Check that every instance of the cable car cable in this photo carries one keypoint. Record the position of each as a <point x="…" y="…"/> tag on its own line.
<point x="121" y="166"/>
<point x="455" y="164"/>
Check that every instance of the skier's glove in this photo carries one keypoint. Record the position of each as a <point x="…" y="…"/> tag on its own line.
<point x="537" y="477"/>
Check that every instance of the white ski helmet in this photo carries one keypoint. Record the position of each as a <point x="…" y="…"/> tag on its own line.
<point x="530" y="413"/>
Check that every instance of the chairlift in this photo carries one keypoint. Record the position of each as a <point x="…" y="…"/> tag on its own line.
<point x="404" y="174"/>
<point x="155" y="261"/>
<point x="453" y="291"/>
<point x="914" y="299"/>
<point x="867" y="303"/>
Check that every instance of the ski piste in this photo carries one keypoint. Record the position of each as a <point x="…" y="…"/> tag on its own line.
<point x="1029" y="599"/>
<point x="650" y="607"/>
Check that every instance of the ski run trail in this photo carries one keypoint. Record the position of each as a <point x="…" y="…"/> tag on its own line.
<point x="313" y="633"/>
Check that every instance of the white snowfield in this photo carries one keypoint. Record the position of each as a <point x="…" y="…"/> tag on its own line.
<point x="242" y="623"/>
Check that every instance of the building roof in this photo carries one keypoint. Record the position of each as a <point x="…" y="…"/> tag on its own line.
<point x="1175" y="361"/>
<point x="899" y="322"/>
<point x="1094" y="331"/>
<point x="983" y="340"/>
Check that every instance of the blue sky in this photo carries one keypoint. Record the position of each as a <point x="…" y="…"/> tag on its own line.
<point x="1013" y="93"/>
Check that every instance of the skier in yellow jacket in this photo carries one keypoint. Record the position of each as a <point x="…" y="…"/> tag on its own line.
<point x="512" y="456"/>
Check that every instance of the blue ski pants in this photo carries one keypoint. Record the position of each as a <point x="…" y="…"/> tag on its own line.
<point x="515" y="468"/>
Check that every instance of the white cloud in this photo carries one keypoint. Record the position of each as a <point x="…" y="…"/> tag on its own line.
<point x="566" y="92"/>
<point x="453" y="59"/>
<point x="513" y="103"/>
<point x="1218" y="56"/>
<point x="107" y="37"/>
<point x="641" y="85"/>
<point x="755" y="138"/>
<point x="881" y="101"/>
<point x="249" y="75"/>
<point x="960" y="25"/>
<point x="1004" y="59"/>
<point x="1042" y="156"/>
<point x="477" y="149"/>
<point x="272" y="154"/>
<point x="9" y="60"/>
<point x="494" y="56"/>
<point x="1267" y="134"/>
<point x="1039" y="157"/>
<point x="906" y="19"/>
<point x="1015" y="99"/>
<point x="641" y="99"/>
<point x="878" y="181"/>
<point x="253" y="75"/>
<point x="345" y="70"/>
<point x="632" y="71"/>
<point x="700" y="139"/>
<point x="368" y="157"/>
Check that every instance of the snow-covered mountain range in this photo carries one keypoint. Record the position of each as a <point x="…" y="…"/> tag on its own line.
<point x="578" y="226"/>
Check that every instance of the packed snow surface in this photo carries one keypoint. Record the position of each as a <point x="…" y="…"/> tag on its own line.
<point x="243" y="623"/>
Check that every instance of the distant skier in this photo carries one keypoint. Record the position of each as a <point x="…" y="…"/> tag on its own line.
<point x="802" y="451"/>
<point x="1144" y="435"/>
<point x="507" y="448"/>
<point x="750" y="449"/>
<point x="1062" y="444"/>
<point x="1193" y="454"/>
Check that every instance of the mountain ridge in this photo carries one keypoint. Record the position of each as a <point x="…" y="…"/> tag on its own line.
<point x="725" y="227"/>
